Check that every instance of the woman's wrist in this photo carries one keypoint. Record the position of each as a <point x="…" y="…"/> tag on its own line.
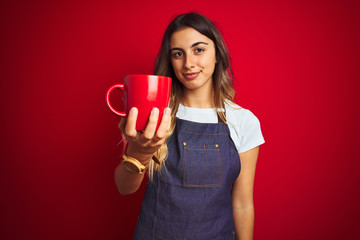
<point x="133" y="165"/>
<point x="138" y="163"/>
<point x="143" y="158"/>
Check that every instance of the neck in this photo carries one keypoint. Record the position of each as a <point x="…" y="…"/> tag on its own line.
<point x="198" y="99"/>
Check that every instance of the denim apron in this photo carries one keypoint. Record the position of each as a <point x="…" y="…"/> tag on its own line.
<point x="191" y="197"/>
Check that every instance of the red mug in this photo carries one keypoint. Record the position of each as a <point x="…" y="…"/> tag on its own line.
<point x="144" y="92"/>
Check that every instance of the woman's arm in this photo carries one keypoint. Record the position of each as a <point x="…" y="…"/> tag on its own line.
<point x="141" y="146"/>
<point x="242" y="196"/>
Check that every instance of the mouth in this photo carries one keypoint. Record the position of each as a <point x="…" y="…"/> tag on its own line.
<point x="191" y="76"/>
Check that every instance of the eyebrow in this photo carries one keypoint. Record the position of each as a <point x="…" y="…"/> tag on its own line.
<point x="194" y="45"/>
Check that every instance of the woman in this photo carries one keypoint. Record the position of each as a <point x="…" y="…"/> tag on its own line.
<point x="204" y="139"/>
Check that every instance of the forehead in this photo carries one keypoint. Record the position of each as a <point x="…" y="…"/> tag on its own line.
<point x="185" y="37"/>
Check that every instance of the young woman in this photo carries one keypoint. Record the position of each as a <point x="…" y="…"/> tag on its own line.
<point x="204" y="139"/>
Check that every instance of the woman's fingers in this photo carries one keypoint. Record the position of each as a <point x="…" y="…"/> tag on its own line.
<point x="164" y="126"/>
<point x="149" y="140"/>
<point x="151" y="126"/>
<point x="130" y="130"/>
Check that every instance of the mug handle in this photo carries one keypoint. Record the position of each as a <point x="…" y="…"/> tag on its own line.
<point x="122" y="88"/>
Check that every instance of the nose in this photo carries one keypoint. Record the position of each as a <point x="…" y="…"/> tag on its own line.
<point x="189" y="61"/>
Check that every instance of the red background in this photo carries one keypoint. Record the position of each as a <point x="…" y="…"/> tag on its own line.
<point x="296" y="65"/>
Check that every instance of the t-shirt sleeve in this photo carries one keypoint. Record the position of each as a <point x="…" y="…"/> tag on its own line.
<point x="249" y="132"/>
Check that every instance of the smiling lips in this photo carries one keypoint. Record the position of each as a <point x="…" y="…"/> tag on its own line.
<point x="191" y="76"/>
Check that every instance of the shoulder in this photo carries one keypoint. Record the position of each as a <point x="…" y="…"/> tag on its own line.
<point x="239" y="116"/>
<point x="244" y="127"/>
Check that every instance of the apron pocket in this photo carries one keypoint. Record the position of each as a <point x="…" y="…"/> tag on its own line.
<point x="201" y="166"/>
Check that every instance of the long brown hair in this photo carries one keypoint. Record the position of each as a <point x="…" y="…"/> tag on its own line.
<point x="222" y="76"/>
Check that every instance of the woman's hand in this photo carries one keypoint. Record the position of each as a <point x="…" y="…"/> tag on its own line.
<point x="142" y="145"/>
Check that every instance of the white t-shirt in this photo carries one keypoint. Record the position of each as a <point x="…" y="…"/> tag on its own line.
<point x="244" y="126"/>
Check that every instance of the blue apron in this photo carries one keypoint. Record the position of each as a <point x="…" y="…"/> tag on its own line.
<point x="191" y="197"/>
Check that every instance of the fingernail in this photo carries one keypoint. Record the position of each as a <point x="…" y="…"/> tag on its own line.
<point x="167" y="112"/>
<point x="133" y="111"/>
<point x="155" y="111"/>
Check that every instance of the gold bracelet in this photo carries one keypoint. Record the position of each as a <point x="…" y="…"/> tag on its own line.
<point x="133" y="165"/>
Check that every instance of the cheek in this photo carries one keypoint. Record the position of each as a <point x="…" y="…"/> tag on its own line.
<point x="209" y="64"/>
<point x="175" y="65"/>
<point x="177" y="68"/>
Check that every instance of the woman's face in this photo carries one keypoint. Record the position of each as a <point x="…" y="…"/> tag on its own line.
<point x="193" y="58"/>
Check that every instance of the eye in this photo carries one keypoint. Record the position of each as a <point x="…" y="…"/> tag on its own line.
<point x="199" y="50"/>
<point x="177" y="54"/>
